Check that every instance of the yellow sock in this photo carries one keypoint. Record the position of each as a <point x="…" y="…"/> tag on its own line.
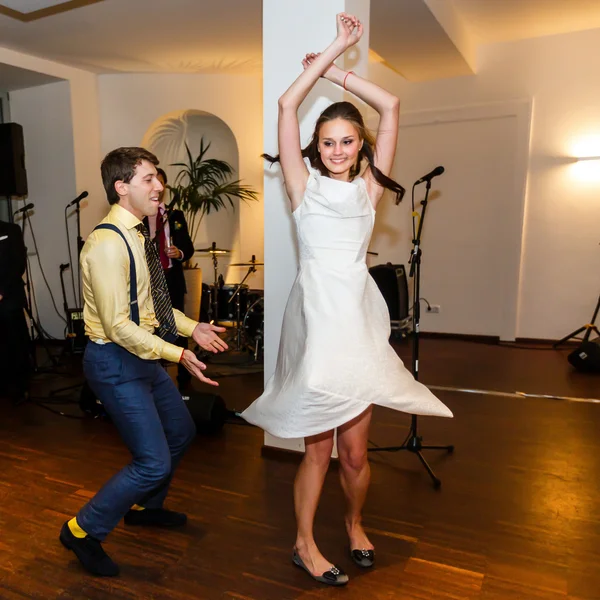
<point x="75" y="529"/>
<point x="137" y="507"/>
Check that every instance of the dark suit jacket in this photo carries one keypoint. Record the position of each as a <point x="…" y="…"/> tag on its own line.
<point x="12" y="267"/>
<point x="181" y="239"/>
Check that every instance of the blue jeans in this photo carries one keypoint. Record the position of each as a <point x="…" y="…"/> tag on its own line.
<point x="153" y="421"/>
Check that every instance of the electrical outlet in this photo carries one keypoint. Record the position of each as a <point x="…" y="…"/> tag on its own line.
<point x="434" y="308"/>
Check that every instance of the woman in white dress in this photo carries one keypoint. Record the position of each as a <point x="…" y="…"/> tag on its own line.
<point x="335" y="360"/>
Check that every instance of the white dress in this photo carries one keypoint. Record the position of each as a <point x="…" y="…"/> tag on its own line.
<point x="334" y="354"/>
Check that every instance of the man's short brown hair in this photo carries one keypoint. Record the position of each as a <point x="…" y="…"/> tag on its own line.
<point x="120" y="165"/>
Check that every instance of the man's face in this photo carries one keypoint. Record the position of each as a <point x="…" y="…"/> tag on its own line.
<point x="141" y="196"/>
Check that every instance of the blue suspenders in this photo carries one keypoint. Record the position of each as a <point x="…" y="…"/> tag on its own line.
<point x="133" y="299"/>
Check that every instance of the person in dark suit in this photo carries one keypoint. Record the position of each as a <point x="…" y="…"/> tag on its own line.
<point x="14" y="338"/>
<point x="170" y="233"/>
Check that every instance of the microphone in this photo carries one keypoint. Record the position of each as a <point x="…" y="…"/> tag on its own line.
<point x="437" y="171"/>
<point x="24" y="209"/>
<point x="78" y="199"/>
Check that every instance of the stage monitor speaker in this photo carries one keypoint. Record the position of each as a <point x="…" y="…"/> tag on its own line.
<point x="13" y="176"/>
<point x="586" y="357"/>
<point x="393" y="284"/>
<point x="208" y="411"/>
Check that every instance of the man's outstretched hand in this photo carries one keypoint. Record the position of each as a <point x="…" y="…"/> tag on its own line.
<point x="195" y="367"/>
<point x="205" y="335"/>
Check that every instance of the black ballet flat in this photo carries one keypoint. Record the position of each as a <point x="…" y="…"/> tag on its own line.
<point x="363" y="558"/>
<point x="335" y="576"/>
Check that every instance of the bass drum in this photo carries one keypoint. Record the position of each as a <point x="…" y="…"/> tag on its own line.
<point x="226" y="310"/>
<point x="254" y="326"/>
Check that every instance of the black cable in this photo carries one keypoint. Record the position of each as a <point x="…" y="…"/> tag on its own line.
<point x="57" y="412"/>
<point x="401" y="445"/>
<point x="34" y="307"/>
<point x="70" y="259"/>
<point x="42" y="270"/>
<point x="523" y="346"/>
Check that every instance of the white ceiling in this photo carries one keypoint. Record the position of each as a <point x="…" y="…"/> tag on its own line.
<point x="421" y="39"/>
<point x="15" y="78"/>
<point x="408" y="37"/>
<point x="506" y="20"/>
<point x="195" y="36"/>
<point x="27" y="6"/>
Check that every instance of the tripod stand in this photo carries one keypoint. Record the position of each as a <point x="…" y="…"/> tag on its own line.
<point x="588" y="328"/>
<point x="413" y="442"/>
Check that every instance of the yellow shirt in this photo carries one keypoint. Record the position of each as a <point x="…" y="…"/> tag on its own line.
<point x="105" y="278"/>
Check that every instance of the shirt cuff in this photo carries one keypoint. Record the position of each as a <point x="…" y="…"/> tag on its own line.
<point x="185" y="325"/>
<point x="171" y="353"/>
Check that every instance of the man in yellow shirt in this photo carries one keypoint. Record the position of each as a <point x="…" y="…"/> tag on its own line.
<point x="131" y="325"/>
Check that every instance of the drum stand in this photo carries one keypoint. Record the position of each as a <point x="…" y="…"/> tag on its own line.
<point x="214" y="303"/>
<point x="236" y="295"/>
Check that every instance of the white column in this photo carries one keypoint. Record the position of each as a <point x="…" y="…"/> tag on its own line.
<point x="290" y="30"/>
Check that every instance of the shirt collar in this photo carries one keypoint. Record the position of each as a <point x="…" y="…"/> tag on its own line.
<point x="124" y="216"/>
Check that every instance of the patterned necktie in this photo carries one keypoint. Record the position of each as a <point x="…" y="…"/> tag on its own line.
<point x="160" y="292"/>
<point x="161" y="237"/>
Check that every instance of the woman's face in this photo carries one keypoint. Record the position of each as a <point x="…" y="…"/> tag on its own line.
<point x="339" y="145"/>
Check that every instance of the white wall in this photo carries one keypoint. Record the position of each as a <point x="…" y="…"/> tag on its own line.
<point x="130" y="104"/>
<point x="561" y="259"/>
<point x="45" y="114"/>
<point x="62" y="148"/>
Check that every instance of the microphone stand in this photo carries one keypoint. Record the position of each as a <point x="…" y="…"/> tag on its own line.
<point x="70" y="329"/>
<point x="413" y="442"/>
<point x="77" y="202"/>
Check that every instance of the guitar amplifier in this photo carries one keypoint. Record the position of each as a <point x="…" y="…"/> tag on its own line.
<point x="393" y="284"/>
<point x="76" y="331"/>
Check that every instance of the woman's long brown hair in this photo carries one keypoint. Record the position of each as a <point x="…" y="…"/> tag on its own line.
<point x="348" y="112"/>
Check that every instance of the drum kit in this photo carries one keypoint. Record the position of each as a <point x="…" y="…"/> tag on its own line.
<point x="236" y="306"/>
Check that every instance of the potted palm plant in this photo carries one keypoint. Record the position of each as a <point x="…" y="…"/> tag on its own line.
<point x="203" y="185"/>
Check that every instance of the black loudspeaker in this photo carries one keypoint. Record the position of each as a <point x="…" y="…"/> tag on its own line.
<point x="13" y="176"/>
<point x="208" y="411"/>
<point x="587" y="357"/>
<point x="393" y="284"/>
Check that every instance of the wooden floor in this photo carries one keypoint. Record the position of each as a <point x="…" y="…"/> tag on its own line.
<point x="517" y="516"/>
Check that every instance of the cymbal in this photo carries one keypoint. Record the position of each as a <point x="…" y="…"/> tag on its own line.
<point x="248" y="264"/>
<point x="212" y="250"/>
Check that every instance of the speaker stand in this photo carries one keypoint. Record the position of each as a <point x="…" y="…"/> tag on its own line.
<point x="588" y="328"/>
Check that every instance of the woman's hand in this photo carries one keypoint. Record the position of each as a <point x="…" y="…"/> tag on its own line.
<point x="331" y="71"/>
<point x="349" y="29"/>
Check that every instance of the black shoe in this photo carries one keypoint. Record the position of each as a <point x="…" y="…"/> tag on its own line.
<point x="159" y="517"/>
<point x="335" y="576"/>
<point x="90" y="553"/>
<point x="363" y="558"/>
